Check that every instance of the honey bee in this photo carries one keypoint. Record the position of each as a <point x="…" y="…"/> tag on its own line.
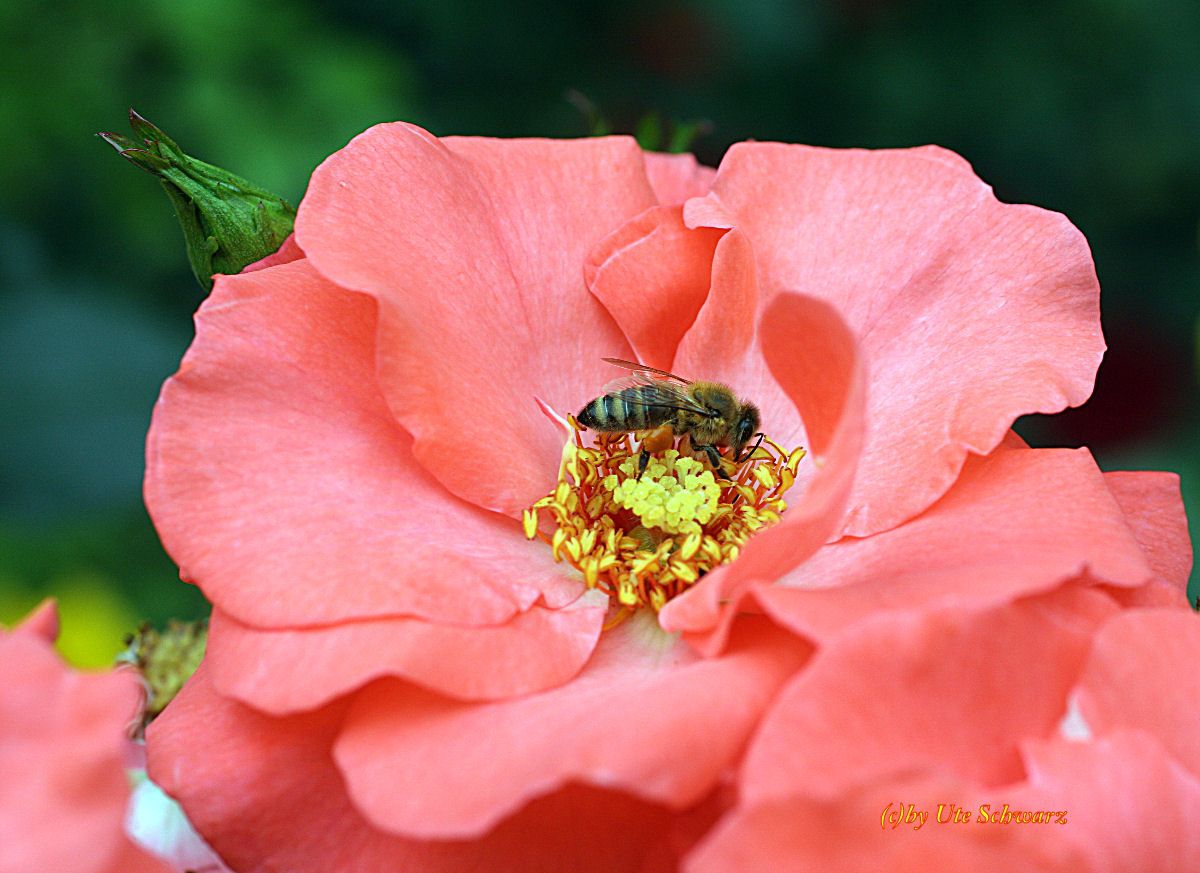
<point x="668" y="405"/>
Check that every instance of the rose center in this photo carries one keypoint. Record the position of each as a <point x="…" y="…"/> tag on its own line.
<point x="644" y="540"/>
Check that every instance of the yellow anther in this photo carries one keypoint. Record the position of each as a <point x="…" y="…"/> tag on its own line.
<point x="763" y="475"/>
<point x="573" y="550"/>
<point x="626" y="594"/>
<point x="529" y="521"/>
<point x="591" y="571"/>
<point x="657" y="599"/>
<point x="639" y="566"/>
<point x="682" y="570"/>
<point x="721" y="512"/>
<point x="587" y="540"/>
<point x="794" y="459"/>
<point x="556" y="542"/>
<point x="690" y="546"/>
<point x="786" y="479"/>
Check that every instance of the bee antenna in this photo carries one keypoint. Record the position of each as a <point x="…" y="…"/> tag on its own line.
<point x="761" y="436"/>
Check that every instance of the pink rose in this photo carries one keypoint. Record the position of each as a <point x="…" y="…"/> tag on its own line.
<point x="398" y="678"/>
<point x="64" y="748"/>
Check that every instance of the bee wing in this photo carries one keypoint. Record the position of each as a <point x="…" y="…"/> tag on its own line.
<point x="654" y="374"/>
<point x="665" y="394"/>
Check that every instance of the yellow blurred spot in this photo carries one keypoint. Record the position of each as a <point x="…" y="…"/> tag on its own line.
<point x="94" y="618"/>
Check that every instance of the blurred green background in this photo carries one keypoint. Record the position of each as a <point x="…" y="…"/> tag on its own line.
<point x="1088" y="108"/>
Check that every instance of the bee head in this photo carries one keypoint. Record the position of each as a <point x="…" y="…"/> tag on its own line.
<point x="745" y="427"/>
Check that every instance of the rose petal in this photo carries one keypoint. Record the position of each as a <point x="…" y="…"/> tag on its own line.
<point x="284" y="671"/>
<point x="676" y="178"/>
<point x="1017" y="522"/>
<point x="723" y="343"/>
<point x="62" y="743"/>
<point x="952" y="691"/>
<point x="640" y="717"/>
<point x="1154" y="511"/>
<point x="1130" y="806"/>
<point x="970" y="312"/>
<point x="266" y="795"/>
<point x="852" y="834"/>
<point x="281" y="484"/>
<point x="825" y="381"/>
<point x="652" y="275"/>
<point x="1125" y="804"/>
<point x="474" y="249"/>
<point x="42" y="622"/>
<point x="1142" y="674"/>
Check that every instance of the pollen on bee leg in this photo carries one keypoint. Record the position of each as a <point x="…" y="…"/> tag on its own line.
<point x="644" y="540"/>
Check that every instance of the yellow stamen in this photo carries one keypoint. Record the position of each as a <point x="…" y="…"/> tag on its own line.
<point x="643" y="541"/>
<point x="763" y="475"/>
<point x="529" y="521"/>
<point x="618" y="618"/>
<point x="556" y="542"/>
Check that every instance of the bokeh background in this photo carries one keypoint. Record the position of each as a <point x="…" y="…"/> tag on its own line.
<point x="1087" y="107"/>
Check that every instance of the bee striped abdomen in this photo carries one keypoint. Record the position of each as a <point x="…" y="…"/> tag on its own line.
<point x="628" y="409"/>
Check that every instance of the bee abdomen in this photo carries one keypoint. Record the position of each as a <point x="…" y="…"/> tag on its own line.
<point x="605" y="413"/>
<point x="589" y="415"/>
<point x="635" y="411"/>
<point x="623" y="410"/>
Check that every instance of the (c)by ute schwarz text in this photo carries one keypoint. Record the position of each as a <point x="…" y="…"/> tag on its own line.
<point x="895" y="815"/>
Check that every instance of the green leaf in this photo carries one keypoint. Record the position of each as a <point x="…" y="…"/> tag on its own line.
<point x="649" y="132"/>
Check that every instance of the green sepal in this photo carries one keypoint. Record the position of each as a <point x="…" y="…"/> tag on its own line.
<point x="227" y="222"/>
<point x="166" y="659"/>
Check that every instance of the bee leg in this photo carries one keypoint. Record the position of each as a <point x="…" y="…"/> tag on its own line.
<point x="714" y="458"/>
<point x="643" y="460"/>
